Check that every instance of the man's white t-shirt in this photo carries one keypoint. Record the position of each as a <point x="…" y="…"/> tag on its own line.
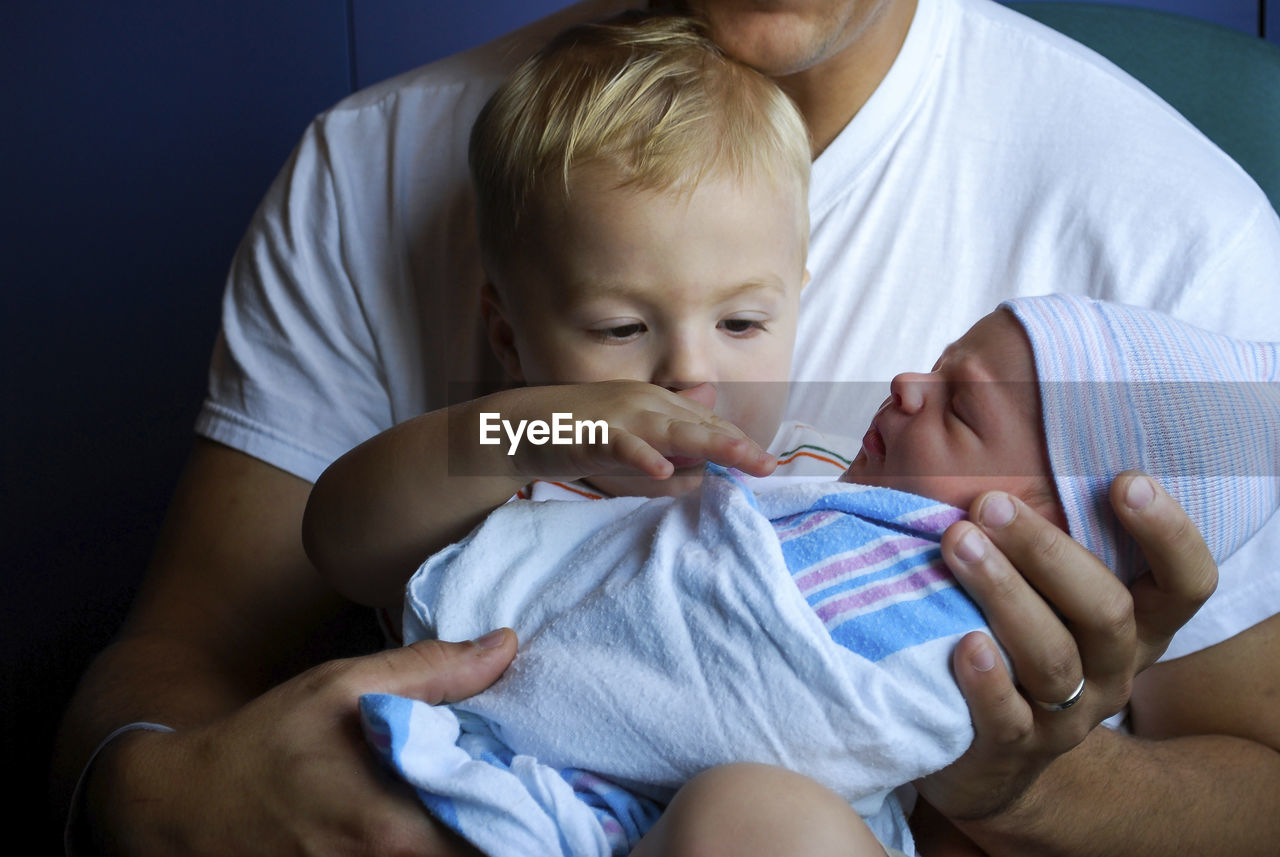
<point x="997" y="159"/>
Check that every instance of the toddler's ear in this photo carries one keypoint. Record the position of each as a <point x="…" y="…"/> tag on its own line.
<point x="502" y="337"/>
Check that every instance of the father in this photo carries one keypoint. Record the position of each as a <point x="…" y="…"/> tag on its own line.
<point x="962" y="155"/>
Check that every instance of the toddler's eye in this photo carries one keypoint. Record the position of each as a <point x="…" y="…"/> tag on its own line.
<point x="620" y="333"/>
<point x="742" y="326"/>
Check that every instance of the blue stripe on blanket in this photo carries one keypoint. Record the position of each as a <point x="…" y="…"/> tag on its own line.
<point x="623" y="816"/>
<point x="869" y="564"/>
<point x="848" y="552"/>
<point x="891" y="629"/>
<point x="386" y="721"/>
<point x="401" y="738"/>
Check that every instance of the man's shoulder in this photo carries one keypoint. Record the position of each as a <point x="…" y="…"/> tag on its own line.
<point x="986" y="24"/>
<point x="1066" y="92"/>
<point x="1072" y="120"/>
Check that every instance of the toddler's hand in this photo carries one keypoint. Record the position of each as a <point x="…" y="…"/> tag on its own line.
<point x="651" y="432"/>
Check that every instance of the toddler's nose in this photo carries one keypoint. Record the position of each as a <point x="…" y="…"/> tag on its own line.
<point x="684" y="365"/>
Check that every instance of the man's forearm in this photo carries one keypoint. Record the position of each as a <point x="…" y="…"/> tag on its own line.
<point x="287" y="772"/>
<point x="1119" y="795"/>
<point x="145" y="678"/>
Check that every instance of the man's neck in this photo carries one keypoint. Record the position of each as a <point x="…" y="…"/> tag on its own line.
<point x="831" y="93"/>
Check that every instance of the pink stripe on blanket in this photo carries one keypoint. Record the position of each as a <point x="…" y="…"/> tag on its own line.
<point x="937" y="521"/>
<point x="885" y="550"/>
<point x="859" y="601"/>
<point x="809" y="522"/>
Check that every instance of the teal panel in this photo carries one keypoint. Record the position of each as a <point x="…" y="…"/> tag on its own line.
<point x="1243" y="15"/>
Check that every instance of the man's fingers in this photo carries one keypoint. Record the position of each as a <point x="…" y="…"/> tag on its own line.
<point x="1092" y="602"/>
<point x="432" y="670"/>
<point x="1000" y="714"/>
<point x="1067" y="622"/>
<point x="976" y="784"/>
<point x="1183" y="573"/>
<point x="1043" y="652"/>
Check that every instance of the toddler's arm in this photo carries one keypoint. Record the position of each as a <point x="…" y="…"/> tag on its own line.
<point x="377" y="512"/>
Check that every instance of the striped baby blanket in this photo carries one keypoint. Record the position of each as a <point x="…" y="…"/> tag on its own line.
<point x="810" y="627"/>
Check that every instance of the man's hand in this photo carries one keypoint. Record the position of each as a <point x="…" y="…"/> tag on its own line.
<point x="1063" y="617"/>
<point x="290" y="772"/>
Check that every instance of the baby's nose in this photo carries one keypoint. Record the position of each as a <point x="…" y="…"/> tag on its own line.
<point x="910" y="390"/>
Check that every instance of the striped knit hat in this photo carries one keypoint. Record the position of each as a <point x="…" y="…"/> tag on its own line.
<point x="1123" y="387"/>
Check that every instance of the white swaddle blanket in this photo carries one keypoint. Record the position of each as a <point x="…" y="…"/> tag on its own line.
<point x="662" y="637"/>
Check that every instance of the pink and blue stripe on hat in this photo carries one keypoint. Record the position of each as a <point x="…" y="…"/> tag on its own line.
<point x="1124" y="387"/>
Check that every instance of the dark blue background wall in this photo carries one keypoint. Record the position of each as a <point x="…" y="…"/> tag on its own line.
<point x="135" y="141"/>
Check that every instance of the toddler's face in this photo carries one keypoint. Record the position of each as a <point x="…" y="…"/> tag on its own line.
<point x="673" y="288"/>
<point x="970" y="425"/>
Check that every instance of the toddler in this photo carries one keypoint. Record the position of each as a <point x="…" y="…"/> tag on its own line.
<point x="641" y="205"/>
<point x="642" y="214"/>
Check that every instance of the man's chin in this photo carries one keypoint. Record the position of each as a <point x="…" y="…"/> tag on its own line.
<point x="775" y="42"/>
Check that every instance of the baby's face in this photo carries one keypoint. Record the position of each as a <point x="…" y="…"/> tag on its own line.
<point x="970" y="425"/>
<point x="673" y="288"/>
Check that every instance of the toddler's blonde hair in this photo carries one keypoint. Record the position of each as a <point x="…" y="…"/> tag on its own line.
<point x="648" y="95"/>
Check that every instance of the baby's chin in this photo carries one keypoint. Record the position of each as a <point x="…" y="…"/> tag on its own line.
<point x="956" y="491"/>
<point x="682" y="481"/>
<point x="861" y="471"/>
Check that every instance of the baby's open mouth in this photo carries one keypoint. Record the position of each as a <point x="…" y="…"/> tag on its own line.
<point x="873" y="442"/>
